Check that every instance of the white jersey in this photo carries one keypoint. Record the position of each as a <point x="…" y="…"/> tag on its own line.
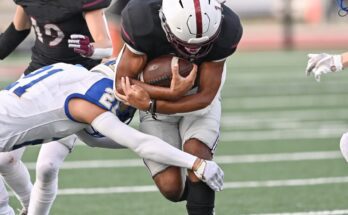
<point x="33" y="110"/>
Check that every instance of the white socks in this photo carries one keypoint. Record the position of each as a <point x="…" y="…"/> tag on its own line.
<point x="50" y="159"/>
<point x="5" y="209"/>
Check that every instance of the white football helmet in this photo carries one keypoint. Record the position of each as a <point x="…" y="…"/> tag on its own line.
<point x="107" y="68"/>
<point x="191" y="26"/>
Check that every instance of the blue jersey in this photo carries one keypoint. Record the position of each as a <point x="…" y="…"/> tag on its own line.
<point x="34" y="109"/>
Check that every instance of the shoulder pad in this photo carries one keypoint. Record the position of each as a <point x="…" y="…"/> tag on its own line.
<point x="232" y="29"/>
<point x="139" y="19"/>
<point x="138" y="16"/>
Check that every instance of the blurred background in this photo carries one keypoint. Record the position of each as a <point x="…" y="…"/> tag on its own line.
<point x="280" y="130"/>
<point x="268" y="24"/>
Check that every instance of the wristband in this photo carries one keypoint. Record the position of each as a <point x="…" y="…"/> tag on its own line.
<point x="152" y="108"/>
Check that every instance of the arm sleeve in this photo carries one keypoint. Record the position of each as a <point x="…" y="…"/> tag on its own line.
<point x="98" y="141"/>
<point x="146" y="146"/>
<point x="10" y="39"/>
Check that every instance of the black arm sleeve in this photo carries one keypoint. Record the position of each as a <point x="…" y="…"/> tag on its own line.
<point x="10" y="39"/>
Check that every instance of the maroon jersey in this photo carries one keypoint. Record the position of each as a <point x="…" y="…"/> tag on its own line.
<point x="117" y="7"/>
<point x="54" y="22"/>
<point x="142" y="30"/>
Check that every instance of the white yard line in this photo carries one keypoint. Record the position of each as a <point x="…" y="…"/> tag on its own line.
<point x="285" y="134"/>
<point x="226" y="159"/>
<point x="228" y="185"/>
<point x="308" y="114"/>
<point x="285" y="183"/>
<point x="332" y="212"/>
<point x="327" y="100"/>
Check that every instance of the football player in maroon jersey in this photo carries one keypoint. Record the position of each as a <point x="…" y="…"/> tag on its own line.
<point x="204" y="32"/>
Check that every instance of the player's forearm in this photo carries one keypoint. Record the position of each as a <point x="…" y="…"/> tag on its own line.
<point x="146" y="146"/>
<point x="100" y="142"/>
<point x="10" y="39"/>
<point x="163" y="93"/>
<point x="97" y="26"/>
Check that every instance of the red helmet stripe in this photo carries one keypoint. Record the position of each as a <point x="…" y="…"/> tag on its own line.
<point x="199" y="22"/>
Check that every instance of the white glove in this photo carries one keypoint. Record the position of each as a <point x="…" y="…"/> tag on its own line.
<point x="210" y="173"/>
<point x="323" y="63"/>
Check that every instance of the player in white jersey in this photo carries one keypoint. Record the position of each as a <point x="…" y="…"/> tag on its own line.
<point x="62" y="99"/>
<point x="323" y="63"/>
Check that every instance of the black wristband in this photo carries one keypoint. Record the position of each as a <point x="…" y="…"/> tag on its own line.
<point x="152" y="108"/>
<point x="10" y="39"/>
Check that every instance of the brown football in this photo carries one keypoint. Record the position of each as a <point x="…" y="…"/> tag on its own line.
<point x="158" y="71"/>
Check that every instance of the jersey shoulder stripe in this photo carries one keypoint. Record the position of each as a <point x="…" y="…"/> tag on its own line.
<point x="100" y="93"/>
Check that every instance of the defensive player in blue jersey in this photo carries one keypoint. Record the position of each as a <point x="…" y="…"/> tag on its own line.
<point x="65" y="31"/>
<point x="63" y="99"/>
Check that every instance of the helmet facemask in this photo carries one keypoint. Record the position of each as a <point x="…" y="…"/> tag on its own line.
<point x="197" y="46"/>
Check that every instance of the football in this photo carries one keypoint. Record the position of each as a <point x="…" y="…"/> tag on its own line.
<point x="158" y="71"/>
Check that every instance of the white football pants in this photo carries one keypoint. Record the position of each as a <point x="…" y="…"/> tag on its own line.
<point x="17" y="177"/>
<point x="5" y="209"/>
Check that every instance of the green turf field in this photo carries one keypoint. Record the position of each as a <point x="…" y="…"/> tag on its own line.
<point x="279" y="149"/>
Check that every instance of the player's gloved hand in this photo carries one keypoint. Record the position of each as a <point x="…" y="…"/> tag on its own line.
<point x="210" y="173"/>
<point x="323" y="63"/>
<point x="81" y="45"/>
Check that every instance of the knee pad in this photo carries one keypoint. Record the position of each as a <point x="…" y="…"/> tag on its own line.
<point x="344" y="146"/>
<point x="7" y="160"/>
<point x="47" y="172"/>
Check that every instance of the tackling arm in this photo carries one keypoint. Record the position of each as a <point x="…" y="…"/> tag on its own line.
<point x="97" y="141"/>
<point x="146" y="146"/>
<point x="15" y="33"/>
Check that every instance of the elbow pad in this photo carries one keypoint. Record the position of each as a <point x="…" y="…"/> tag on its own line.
<point x="10" y="39"/>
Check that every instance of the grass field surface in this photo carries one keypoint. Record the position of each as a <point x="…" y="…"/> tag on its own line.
<point x="279" y="149"/>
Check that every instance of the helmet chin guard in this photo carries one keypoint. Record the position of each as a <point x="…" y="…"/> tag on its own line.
<point x="191" y="26"/>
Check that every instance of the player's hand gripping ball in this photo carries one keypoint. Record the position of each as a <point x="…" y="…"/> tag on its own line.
<point x="158" y="71"/>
